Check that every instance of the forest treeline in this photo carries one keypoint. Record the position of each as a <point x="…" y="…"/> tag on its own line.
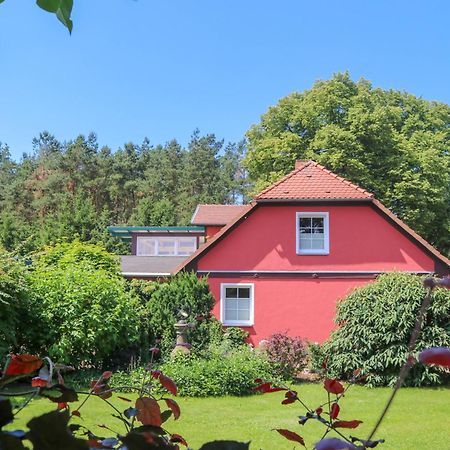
<point x="66" y="190"/>
<point x="391" y="143"/>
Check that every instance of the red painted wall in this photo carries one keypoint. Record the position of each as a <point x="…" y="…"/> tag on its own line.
<point x="360" y="239"/>
<point x="211" y="230"/>
<point x="301" y="307"/>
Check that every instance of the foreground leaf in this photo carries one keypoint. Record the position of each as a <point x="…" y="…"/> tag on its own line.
<point x="333" y="386"/>
<point x="23" y="364"/>
<point x="291" y="436"/>
<point x="333" y="444"/>
<point x="226" y="445"/>
<point x="347" y="423"/>
<point x="173" y="405"/>
<point x="436" y="355"/>
<point x="334" y="411"/>
<point x="149" y="412"/>
<point x="50" y="432"/>
<point x="59" y="394"/>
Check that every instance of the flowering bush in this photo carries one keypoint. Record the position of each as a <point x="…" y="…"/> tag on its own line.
<point x="286" y="353"/>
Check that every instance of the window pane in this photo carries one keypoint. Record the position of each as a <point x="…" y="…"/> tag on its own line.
<point x="317" y="222"/>
<point x="231" y="292"/>
<point x="231" y="304"/>
<point x="243" y="314"/>
<point x="244" y="292"/>
<point x="243" y="305"/>
<point x="305" y="243"/>
<point x="305" y="230"/>
<point x="231" y="315"/>
<point x="305" y="222"/>
<point x="145" y="247"/>
<point x="317" y="244"/>
<point x="186" y="245"/>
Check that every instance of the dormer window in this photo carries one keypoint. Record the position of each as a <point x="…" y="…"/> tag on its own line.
<point x="312" y="231"/>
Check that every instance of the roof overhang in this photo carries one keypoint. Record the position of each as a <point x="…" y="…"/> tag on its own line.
<point x="125" y="233"/>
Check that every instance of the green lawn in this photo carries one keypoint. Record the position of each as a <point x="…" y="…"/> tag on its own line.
<point x="419" y="418"/>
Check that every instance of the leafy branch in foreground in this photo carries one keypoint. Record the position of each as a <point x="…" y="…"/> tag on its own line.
<point x="61" y="8"/>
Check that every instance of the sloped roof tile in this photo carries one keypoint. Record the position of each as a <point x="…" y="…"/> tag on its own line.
<point x="216" y="214"/>
<point x="311" y="181"/>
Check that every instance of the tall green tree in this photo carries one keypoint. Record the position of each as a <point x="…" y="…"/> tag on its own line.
<point x="391" y="143"/>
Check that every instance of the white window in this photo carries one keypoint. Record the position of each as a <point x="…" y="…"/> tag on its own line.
<point x="236" y="304"/>
<point x="165" y="246"/>
<point x="312" y="230"/>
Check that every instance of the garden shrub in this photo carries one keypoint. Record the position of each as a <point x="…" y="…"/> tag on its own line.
<point x="375" y="324"/>
<point x="163" y="301"/>
<point x="316" y="357"/>
<point x="13" y="301"/>
<point x="232" y="372"/>
<point x="286" y="353"/>
<point x="67" y="254"/>
<point x="84" y="314"/>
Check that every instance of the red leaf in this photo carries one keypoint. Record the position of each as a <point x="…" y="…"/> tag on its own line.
<point x="38" y="382"/>
<point x="168" y="383"/>
<point x="291" y="436"/>
<point x="62" y="405"/>
<point x="107" y="375"/>
<point x="333" y="386"/>
<point x="178" y="439"/>
<point x="76" y="413"/>
<point x="267" y="387"/>
<point x="436" y="355"/>
<point x="291" y="397"/>
<point x="23" y="364"/>
<point x="93" y="443"/>
<point x="101" y="389"/>
<point x="334" y="411"/>
<point x="149" y="412"/>
<point x="319" y="411"/>
<point x="346" y="423"/>
<point x="155" y="374"/>
<point x="173" y="405"/>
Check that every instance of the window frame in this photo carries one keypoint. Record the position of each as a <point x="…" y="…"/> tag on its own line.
<point x="175" y="240"/>
<point x="239" y="323"/>
<point x="326" y="232"/>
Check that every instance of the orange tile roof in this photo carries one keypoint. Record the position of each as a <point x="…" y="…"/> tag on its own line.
<point x="311" y="181"/>
<point x="216" y="214"/>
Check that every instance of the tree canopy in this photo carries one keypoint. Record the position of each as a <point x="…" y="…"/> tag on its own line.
<point x="67" y="190"/>
<point x="389" y="142"/>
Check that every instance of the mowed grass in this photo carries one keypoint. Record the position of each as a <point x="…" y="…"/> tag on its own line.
<point x="419" y="418"/>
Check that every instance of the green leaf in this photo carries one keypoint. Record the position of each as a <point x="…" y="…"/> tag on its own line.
<point x="49" y="5"/>
<point x="63" y="13"/>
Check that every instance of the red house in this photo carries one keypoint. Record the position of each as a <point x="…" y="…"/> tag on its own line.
<point x="283" y="262"/>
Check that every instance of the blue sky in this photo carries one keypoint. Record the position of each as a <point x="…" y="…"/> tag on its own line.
<point x="136" y="68"/>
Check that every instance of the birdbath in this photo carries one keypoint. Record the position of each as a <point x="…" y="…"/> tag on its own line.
<point x="181" y="328"/>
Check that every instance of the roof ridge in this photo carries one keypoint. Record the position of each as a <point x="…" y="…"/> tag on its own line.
<point x="342" y="179"/>
<point x="286" y="177"/>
